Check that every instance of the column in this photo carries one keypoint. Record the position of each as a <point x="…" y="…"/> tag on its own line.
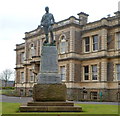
<point x="104" y="39"/>
<point x="71" y="71"/>
<point x="72" y="36"/>
<point x="104" y="70"/>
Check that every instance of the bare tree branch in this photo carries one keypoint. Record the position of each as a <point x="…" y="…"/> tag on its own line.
<point x="5" y="75"/>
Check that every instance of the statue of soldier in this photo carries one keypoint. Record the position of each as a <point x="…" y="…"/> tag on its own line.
<point x="47" y="22"/>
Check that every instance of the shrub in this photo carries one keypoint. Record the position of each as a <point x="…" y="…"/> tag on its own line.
<point x="8" y="87"/>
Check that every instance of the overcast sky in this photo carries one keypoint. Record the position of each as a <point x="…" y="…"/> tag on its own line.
<point x="20" y="16"/>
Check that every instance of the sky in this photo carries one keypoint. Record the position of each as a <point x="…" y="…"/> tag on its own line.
<point x="20" y="16"/>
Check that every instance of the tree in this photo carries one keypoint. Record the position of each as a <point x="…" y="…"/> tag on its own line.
<point x="5" y="75"/>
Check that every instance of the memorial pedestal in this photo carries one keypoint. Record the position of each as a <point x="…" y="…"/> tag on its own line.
<point x="49" y="94"/>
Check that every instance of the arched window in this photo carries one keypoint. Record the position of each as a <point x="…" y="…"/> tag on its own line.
<point x="32" y="50"/>
<point x="63" y="73"/>
<point x="31" y="76"/>
<point x="63" y="45"/>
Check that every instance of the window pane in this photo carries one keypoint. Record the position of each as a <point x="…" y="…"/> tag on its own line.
<point x="31" y="76"/>
<point x="118" y="44"/>
<point x="87" y="41"/>
<point x="118" y="71"/>
<point x="94" y="72"/>
<point x="118" y="76"/>
<point x="62" y="47"/>
<point x="95" y="46"/>
<point x="118" y="67"/>
<point x="22" y="76"/>
<point x="87" y="48"/>
<point x="86" y="69"/>
<point x="62" y="71"/>
<point x="86" y="77"/>
<point x="94" y="77"/>
<point x="22" y="57"/>
<point x="95" y="42"/>
<point x="93" y="95"/>
<point x="87" y="44"/>
<point x="86" y="72"/>
<point x="118" y="36"/>
<point x="95" y="39"/>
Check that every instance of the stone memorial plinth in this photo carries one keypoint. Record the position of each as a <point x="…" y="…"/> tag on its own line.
<point x="49" y="66"/>
<point x="49" y="94"/>
<point x="49" y="86"/>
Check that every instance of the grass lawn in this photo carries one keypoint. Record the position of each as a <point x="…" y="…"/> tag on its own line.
<point x="13" y="108"/>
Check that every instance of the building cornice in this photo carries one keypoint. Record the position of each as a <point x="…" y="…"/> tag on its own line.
<point x="85" y="59"/>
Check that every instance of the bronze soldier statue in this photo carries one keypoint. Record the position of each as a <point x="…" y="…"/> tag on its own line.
<point x="47" y="22"/>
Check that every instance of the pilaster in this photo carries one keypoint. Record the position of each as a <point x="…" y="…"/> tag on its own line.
<point x="104" y="70"/>
<point x="104" y="39"/>
<point x="72" y="40"/>
<point x="72" y="71"/>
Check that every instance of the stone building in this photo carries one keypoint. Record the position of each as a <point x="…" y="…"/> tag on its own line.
<point x="89" y="58"/>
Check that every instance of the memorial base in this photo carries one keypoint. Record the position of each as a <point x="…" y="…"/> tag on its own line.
<point x="49" y="92"/>
<point x="50" y="107"/>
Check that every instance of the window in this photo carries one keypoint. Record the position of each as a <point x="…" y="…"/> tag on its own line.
<point x="22" y="57"/>
<point x="31" y="76"/>
<point x="87" y="44"/>
<point x="118" y="71"/>
<point x="94" y="72"/>
<point x="63" y="45"/>
<point x="118" y="40"/>
<point x="86" y="72"/>
<point x="32" y="50"/>
<point x="22" y="77"/>
<point x="118" y="96"/>
<point x="93" y="95"/>
<point x="95" y="42"/>
<point x="63" y="72"/>
<point x="30" y="92"/>
<point x="21" y="92"/>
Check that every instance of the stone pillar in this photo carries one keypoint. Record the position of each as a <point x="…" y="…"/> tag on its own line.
<point x="40" y="47"/>
<point x="72" y="71"/>
<point x="72" y="36"/>
<point x="49" y="66"/>
<point x="103" y="69"/>
<point x="104" y="39"/>
<point x="37" y="48"/>
<point x="49" y="86"/>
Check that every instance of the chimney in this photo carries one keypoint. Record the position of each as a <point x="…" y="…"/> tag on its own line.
<point x="117" y="13"/>
<point x="83" y="18"/>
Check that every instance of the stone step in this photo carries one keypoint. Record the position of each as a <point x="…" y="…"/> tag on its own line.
<point x="50" y="109"/>
<point x="50" y="104"/>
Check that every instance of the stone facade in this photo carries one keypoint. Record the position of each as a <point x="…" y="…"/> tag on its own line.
<point x="88" y="57"/>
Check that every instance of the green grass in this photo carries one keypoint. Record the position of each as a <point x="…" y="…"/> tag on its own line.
<point x="9" y="108"/>
<point x="13" y="108"/>
<point x="99" y="109"/>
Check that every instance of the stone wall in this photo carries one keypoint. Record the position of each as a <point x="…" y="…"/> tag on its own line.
<point x="76" y="94"/>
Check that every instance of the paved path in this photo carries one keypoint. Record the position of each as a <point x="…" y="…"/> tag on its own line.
<point x="4" y="98"/>
<point x="10" y="99"/>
